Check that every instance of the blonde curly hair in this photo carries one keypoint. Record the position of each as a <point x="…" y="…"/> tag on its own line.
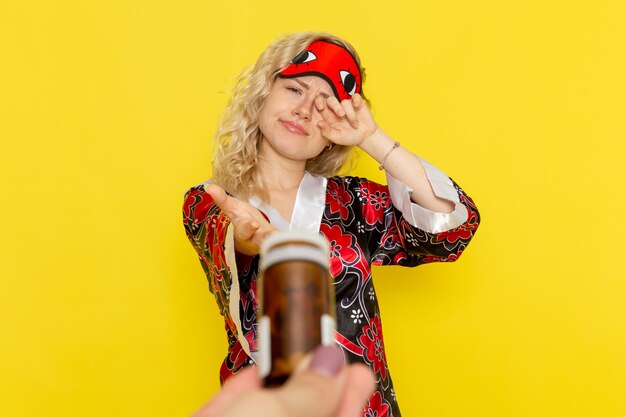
<point x="238" y="137"/>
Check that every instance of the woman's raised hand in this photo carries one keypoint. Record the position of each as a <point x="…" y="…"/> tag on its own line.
<point x="348" y="122"/>
<point x="250" y="227"/>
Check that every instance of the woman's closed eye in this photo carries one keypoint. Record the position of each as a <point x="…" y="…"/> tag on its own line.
<point x="295" y="90"/>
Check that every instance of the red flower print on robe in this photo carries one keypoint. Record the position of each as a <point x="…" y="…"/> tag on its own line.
<point x="341" y="247"/>
<point x="339" y="199"/>
<point x="376" y="407"/>
<point x="372" y="341"/>
<point x="376" y="198"/>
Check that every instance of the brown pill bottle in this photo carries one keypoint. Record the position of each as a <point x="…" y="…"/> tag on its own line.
<point x="297" y="302"/>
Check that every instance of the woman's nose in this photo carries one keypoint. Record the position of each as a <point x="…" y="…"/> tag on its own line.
<point x="304" y="108"/>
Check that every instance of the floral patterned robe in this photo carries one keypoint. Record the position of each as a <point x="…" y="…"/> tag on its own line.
<point x="366" y="223"/>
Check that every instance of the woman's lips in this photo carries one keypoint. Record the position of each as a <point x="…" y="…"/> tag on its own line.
<point x="294" y="128"/>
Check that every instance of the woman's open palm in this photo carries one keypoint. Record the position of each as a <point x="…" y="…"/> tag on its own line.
<point x="250" y="227"/>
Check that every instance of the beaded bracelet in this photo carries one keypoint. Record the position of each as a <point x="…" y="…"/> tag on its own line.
<point x="395" y="145"/>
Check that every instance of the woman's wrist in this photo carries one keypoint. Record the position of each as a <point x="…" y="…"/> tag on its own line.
<point x="377" y="144"/>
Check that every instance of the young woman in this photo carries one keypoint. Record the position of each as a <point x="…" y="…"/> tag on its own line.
<point x="288" y="129"/>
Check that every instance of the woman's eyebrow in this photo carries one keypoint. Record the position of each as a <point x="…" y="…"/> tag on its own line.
<point x="307" y="87"/>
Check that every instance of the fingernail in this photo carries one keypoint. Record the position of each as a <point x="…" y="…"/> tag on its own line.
<point x="327" y="360"/>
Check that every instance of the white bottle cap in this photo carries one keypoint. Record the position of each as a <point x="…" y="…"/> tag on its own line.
<point x="294" y="246"/>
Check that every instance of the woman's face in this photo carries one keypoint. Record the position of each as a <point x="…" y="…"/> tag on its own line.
<point x="288" y="118"/>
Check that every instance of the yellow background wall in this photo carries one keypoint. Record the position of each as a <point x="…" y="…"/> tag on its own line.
<point x="107" y="110"/>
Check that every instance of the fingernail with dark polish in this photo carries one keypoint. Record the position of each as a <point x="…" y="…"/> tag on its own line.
<point x="327" y="360"/>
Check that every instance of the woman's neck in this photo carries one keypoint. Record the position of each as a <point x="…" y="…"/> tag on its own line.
<point x="282" y="180"/>
<point x="279" y="173"/>
<point x="280" y="177"/>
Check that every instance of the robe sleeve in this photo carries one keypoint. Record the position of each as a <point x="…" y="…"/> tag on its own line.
<point x="411" y="235"/>
<point x="210" y="234"/>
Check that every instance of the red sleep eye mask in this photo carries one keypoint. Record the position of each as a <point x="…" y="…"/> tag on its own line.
<point x="330" y="61"/>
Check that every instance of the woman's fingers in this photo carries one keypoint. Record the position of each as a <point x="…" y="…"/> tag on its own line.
<point x="331" y="109"/>
<point x="340" y="119"/>
<point x="229" y="205"/>
<point x="264" y="234"/>
<point x="327" y="112"/>
<point x="234" y="209"/>
<point x="350" y="113"/>
<point x="333" y="104"/>
<point x="328" y="131"/>
<point x="357" y="102"/>
<point x="250" y="234"/>
<point x="216" y="192"/>
<point x="320" y="103"/>
<point x="245" y="228"/>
